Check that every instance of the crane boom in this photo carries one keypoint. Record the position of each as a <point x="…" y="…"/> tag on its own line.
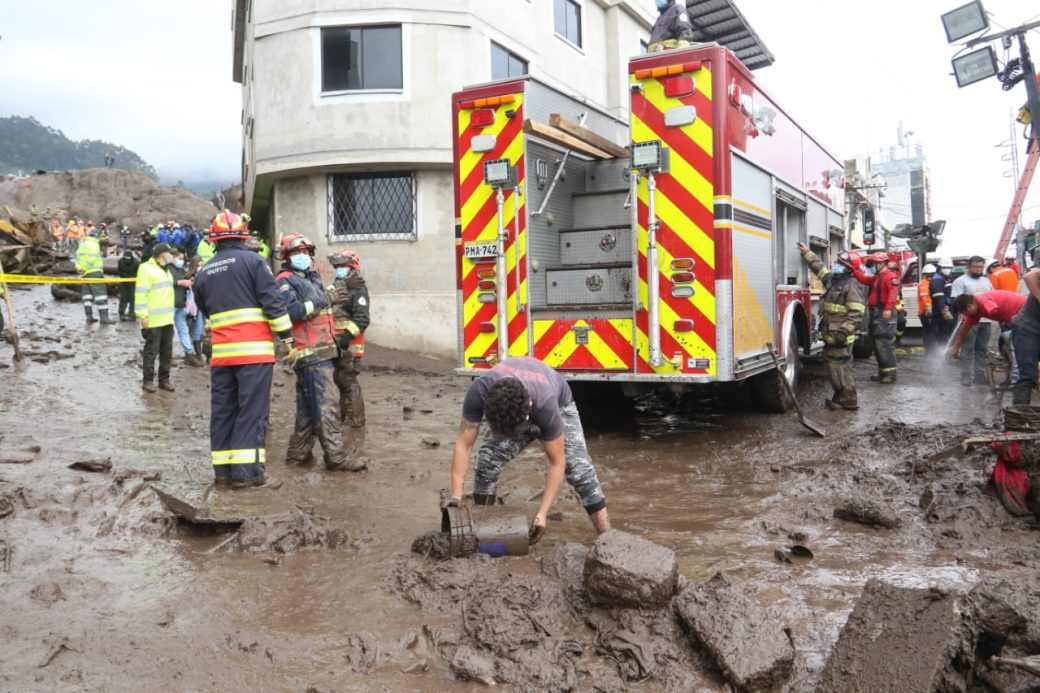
<point x="1020" y="198"/>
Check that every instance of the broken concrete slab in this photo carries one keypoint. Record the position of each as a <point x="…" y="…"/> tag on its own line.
<point x="628" y="571"/>
<point x="905" y="639"/>
<point x="469" y="664"/>
<point x="207" y="505"/>
<point x="753" y="650"/>
<point x="868" y="512"/>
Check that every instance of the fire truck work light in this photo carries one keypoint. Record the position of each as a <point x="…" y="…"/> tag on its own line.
<point x="975" y="66"/>
<point x="646" y="155"/>
<point x="964" y="21"/>
<point x="499" y="174"/>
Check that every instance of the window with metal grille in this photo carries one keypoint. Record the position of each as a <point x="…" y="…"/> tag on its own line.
<point x="354" y="58"/>
<point x="372" y="207"/>
<point x="567" y="16"/>
<point x="505" y="64"/>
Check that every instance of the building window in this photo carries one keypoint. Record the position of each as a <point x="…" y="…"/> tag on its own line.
<point x="355" y="58"/>
<point x="505" y="64"/>
<point x="644" y="47"/>
<point x="372" y="207"/>
<point x="568" y="20"/>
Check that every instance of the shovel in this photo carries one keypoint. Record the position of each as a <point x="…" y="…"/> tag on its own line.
<point x="814" y="427"/>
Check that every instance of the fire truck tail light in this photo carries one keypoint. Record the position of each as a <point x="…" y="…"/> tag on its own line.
<point x="678" y="86"/>
<point x="683" y="326"/>
<point x="682" y="263"/>
<point x="484" y="103"/>
<point x="679" y="116"/>
<point x="486" y="285"/>
<point x="485" y="273"/>
<point x="682" y="278"/>
<point x="482" y="118"/>
<point x="488" y="297"/>
<point x="487" y="327"/>
<point x="483" y="143"/>
<point x="667" y="70"/>
<point x="684" y="291"/>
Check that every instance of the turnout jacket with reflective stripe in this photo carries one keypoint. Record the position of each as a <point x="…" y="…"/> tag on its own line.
<point x="237" y="293"/>
<point x="312" y="322"/>
<point x="153" y="295"/>
<point x="841" y="306"/>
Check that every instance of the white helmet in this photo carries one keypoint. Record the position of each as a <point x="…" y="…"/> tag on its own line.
<point x="945" y="263"/>
<point x="929" y="269"/>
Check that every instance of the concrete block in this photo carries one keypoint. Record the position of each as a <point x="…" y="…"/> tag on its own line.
<point x="627" y="571"/>
<point x="903" y="639"/>
<point x="752" y="650"/>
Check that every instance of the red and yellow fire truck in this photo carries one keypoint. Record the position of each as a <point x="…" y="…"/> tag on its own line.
<point x="661" y="249"/>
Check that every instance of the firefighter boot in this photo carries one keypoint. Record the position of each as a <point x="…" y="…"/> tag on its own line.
<point x="1021" y="394"/>
<point x="89" y="310"/>
<point x="105" y="320"/>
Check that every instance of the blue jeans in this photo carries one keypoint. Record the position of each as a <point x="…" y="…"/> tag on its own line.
<point x="180" y="320"/>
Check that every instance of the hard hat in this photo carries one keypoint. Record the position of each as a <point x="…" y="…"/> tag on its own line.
<point x="993" y="265"/>
<point x="879" y="256"/>
<point x="347" y="257"/>
<point x="929" y="269"/>
<point x="227" y="225"/>
<point x="293" y="242"/>
<point x="850" y="260"/>
<point x="945" y="263"/>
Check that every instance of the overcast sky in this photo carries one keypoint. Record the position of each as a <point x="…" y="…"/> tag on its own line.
<point x="155" y="76"/>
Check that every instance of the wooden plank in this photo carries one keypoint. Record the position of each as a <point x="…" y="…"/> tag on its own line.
<point x="584" y="134"/>
<point x="561" y="138"/>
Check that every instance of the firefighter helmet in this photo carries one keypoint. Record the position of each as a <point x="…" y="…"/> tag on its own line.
<point x="347" y="257"/>
<point x="851" y="260"/>
<point x="879" y="257"/>
<point x="292" y="243"/>
<point x="227" y="225"/>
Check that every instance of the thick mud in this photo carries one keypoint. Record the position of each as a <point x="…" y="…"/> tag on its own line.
<point x="101" y="586"/>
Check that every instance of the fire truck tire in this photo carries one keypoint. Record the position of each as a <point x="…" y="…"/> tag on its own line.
<point x="863" y="347"/>
<point x="767" y="389"/>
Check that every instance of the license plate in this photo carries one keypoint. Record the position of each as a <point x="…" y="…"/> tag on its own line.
<point x="480" y="249"/>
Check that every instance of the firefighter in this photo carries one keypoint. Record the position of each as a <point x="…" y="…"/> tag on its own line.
<point x="841" y="310"/>
<point x="942" y="304"/>
<point x="883" y="291"/>
<point x="317" y="408"/>
<point x="91" y="265"/>
<point x="525" y="400"/>
<point x="924" y="306"/>
<point x="672" y="28"/>
<point x="153" y="306"/>
<point x="246" y="310"/>
<point x="349" y="297"/>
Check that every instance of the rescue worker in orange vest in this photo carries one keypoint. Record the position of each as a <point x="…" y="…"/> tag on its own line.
<point x="841" y="310"/>
<point x="1002" y="278"/>
<point x="672" y="28"/>
<point x="924" y="306"/>
<point x="317" y="407"/>
<point x="246" y="310"/>
<point x="881" y="300"/>
<point x="350" y="310"/>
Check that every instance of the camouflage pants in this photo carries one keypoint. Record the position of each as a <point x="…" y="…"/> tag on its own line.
<point x="317" y="416"/>
<point x="495" y="453"/>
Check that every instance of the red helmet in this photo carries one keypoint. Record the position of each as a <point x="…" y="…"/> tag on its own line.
<point x="227" y="225"/>
<point x="293" y="242"/>
<point x="347" y="257"/>
<point x="851" y="260"/>
<point x="879" y="257"/>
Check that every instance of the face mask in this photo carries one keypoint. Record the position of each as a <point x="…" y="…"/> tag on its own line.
<point x="872" y="271"/>
<point x="838" y="268"/>
<point x="661" y="4"/>
<point x="342" y="272"/>
<point x="164" y="260"/>
<point x="300" y="262"/>
<point x="178" y="263"/>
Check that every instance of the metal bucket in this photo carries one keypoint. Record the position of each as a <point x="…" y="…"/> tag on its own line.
<point x="1022" y="417"/>
<point x="491" y="529"/>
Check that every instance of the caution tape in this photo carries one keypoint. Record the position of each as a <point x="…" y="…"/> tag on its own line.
<point x="36" y="279"/>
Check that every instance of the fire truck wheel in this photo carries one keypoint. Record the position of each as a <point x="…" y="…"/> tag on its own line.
<point x="767" y="389"/>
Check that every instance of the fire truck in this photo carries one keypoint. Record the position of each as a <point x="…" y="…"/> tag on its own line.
<point x="657" y="250"/>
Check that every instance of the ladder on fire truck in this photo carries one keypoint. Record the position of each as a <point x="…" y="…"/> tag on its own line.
<point x="1020" y="197"/>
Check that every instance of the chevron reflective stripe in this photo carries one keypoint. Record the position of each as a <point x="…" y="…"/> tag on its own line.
<point x="242" y="456"/>
<point x="231" y="349"/>
<point x="684" y="204"/>
<point x="478" y="221"/>
<point x="585" y="344"/>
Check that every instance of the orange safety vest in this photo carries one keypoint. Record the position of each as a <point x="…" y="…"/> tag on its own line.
<point x="924" y="296"/>
<point x="1004" y="279"/>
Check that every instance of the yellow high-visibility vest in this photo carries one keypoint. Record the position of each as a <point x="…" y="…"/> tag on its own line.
<point x="153" y="297"/>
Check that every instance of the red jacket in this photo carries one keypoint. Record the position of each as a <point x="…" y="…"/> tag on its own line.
<point x="884" y="288"/>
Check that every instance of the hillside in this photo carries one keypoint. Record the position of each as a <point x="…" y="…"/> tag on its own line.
<point x="28" y="145"/>
<point x="109" y="195"/>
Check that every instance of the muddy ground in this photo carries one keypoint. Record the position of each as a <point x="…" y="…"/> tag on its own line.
<point x="101" y="588"/>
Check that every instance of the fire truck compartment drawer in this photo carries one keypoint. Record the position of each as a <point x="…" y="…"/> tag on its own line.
<point x="598" y="246"/>
<point x="595" y="210"/>
<point x="589" y="286"/>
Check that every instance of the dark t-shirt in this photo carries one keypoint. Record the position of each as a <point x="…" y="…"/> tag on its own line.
<point x="1029" y="317"/>
<point x="547" y="389"/>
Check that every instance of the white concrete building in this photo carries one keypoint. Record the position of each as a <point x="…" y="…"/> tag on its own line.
<point x="347" y="132"/>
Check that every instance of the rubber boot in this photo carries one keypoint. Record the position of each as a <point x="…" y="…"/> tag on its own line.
<point x="105" y="320"/>
<point x="194" y="360"/>
<point x="89" y="310"/>
<point x="198" y="352"/>
<point x="1020" y="394"/>
<point x="484" y="499"/>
